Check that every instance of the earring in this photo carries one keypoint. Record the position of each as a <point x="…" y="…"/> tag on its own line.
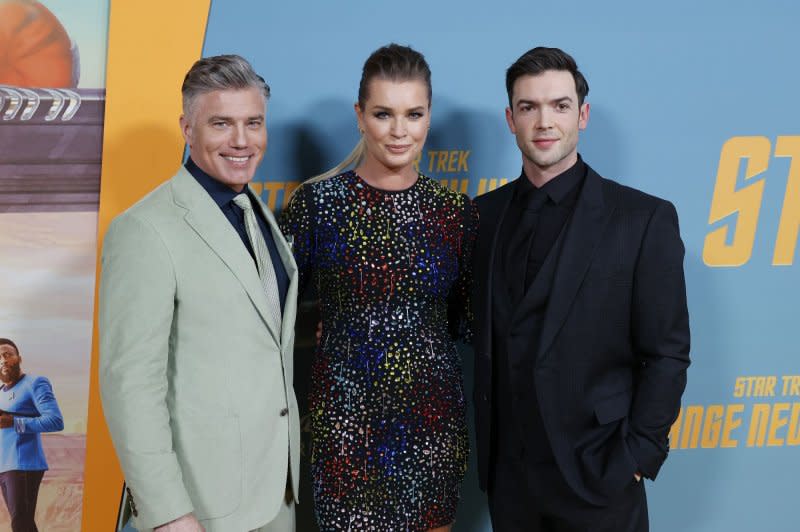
<point x="361" y="131"/>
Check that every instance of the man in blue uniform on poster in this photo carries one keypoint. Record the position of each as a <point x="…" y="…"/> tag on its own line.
<point x="27" y="408"/>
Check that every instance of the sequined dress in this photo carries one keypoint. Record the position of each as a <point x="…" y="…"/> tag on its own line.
<point x="389" y="437"/>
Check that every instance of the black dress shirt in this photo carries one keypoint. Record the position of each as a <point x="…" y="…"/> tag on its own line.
<point x="529" y="231"/>
<point x="223" y="196"/>
<point x="532" y="224"/>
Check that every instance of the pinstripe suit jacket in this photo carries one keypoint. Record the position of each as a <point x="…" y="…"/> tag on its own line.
<point x="610" y="364"/>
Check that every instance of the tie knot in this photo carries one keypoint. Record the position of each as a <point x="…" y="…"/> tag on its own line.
<point x="534" y="200"/>
<point x="243" y="201"/>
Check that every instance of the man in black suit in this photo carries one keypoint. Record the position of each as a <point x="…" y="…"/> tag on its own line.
<point x="581" y="326"/>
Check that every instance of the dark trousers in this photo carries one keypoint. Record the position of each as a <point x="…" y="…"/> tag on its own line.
<point x="20" y="491"/>
<point x="536" y="498"/>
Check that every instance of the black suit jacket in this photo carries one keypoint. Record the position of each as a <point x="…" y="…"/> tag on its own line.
<point x="610" y="366"/>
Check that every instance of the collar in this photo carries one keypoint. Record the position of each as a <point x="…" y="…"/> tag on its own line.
<point x="5" y="387"/>
<point x="221" y="194"/>
<point x="558" y="188"/>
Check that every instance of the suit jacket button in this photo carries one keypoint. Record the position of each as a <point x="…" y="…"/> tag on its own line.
<point x="485" y="398"/>
<point x="284" y="412"/>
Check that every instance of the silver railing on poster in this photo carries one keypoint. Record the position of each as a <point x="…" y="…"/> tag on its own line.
<point x="51" y="143"/>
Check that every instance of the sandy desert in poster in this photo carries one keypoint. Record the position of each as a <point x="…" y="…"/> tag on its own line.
<point x="59" y="506"/>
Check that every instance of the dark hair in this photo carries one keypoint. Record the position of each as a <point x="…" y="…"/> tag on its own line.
<point x="395" y="63"/>
<point x="541" y="59"/>
<point x="6" y="341"/>
<point x="220" y="72"/>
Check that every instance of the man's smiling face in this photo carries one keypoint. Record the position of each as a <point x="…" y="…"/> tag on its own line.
<point x="226" y="133"/>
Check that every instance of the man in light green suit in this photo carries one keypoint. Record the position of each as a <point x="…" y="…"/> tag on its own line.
<point x="196" y="319"/>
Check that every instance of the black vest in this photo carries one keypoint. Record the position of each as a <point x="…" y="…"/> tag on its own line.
<point x="517" y="429"/>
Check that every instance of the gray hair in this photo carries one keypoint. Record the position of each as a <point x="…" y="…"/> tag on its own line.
<point x="220" y="72"/>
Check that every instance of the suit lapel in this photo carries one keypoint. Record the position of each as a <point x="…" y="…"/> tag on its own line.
<point x="207" y="220"/>
<point x="502" y="208"/>
<point x="583" y="233"/>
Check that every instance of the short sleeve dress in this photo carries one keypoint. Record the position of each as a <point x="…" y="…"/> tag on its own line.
<point x="392" y="269"/>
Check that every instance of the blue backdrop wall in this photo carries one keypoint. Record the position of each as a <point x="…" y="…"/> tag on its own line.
<point x="690" y="101"/>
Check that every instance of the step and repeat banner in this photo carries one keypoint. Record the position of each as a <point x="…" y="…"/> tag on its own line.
<point x="689" y="101"/>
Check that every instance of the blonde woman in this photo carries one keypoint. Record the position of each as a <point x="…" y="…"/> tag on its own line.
<point x="389" y="252"/>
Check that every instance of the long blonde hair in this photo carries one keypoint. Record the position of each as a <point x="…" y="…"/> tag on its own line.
<point x="392" y="62"/>
<point x="352" y="160"/>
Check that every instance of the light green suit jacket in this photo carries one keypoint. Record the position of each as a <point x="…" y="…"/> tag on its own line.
<point x="194" y="380"/>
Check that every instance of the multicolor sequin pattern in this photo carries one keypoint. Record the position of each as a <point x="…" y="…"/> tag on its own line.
<point x="388" y="417"/>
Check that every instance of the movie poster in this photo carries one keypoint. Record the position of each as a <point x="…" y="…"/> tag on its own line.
<point x="52" y="78"/>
